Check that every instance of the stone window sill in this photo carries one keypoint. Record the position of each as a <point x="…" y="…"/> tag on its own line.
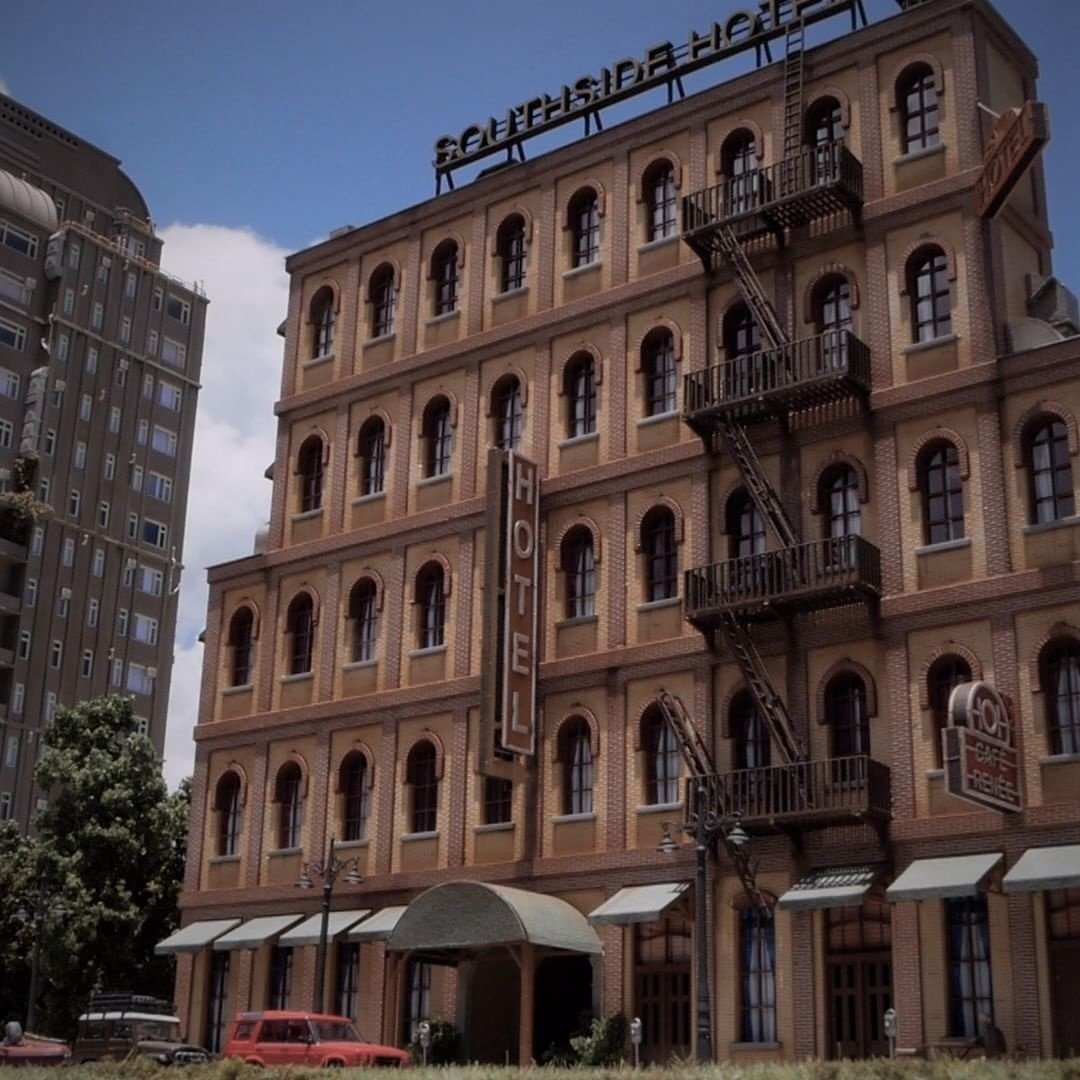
<point x="221" y="860"/>
<point x="380" y="340"/>
<point x="659" y="605"/>
<point x="658" y="418"/>
<point x="359" y="665"/>
<point x="350" y="845"/>
<point x="739" y="1046"/>
<point x="577" y="440"/>
<point x="307" y="515"/>
<point x="945" y="545"/>
<point x="230" y="691"/>
<point x="410" y="837"/>
<point x="432" y="481"/>
<point x="300" y="676"/>
<point x="1046" y="526"/>
<point x="316" y="361"/>
<point x="521" y="290"/>
<point x="284" y="851"/>
<point x="1060" y="759"/>
<point x="579" y="271"/>
<point x="431" y="650"/>
<point x="922" y="152"/>
<point x="375" y="496"/>
<point x="933" y="343"/>
<point x="567" y="819"/>
<point x="446" y="316"/>
<point x="660" y="242"/>
<point x="660" y="808"/>
<point x="498" y="826"/>
<point x="577" y="620"/>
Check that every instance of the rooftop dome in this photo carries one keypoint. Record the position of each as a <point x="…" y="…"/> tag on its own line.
<point x="26" y="200"/>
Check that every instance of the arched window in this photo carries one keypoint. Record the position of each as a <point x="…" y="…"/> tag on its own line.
<point x="289" y="796"/>
<point x="661" y="554"/>
<point x="382" y="295"/>
<point x="498" y="800"/>
<point x="575" y="754"/>
<point x="584" y="217"/>
<point x="579" y="384"/>
<point x="309" y="468"/>
<point x="444" y="273"/>
<point x="658" y="189"/>
<point x="506" y="409"/>
<point x="364" y="617"/>
<point x="510" y="243"/>
<point x="371" y="444"/>
<point x="1059" y="677"/>
<point x="928" y="287"/>
<point x="661" y="750"/>
<point x="356" y="797"/>
<point x="824" y="123"/>
<point x="300" y="629"/>
<point x="753" y="747"/>
<point x="241" y="646"/>
<point x="579" y="565"/>
<point x="840" y="494"/>
<point x="942" y="493"/>
<point x="916" y="96"/>
<point x="745" y="526"/>
<point x="431" y="606"/>
<point x="743" y="372"/>
<point x="322" y="321"/>
<point x="1046" y="443"/>
<point x="421" y="774"/>
<point x="757" y="975"/>
<point x="739" y="165"/>
<point x="847" y="714"/>
<point x="438" y="438"/>
<point x="229" y="814"/>
<point x="831" y="301"/>
<point x="658" y="364"/>
<point x="945" y="674"/>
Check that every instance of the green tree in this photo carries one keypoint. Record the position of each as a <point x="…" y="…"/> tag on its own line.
<point x="18" y="859"/>
<point x="111" y="851"/>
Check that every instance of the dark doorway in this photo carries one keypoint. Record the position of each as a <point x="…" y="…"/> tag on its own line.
<point x="858" y="972"/>
<point x="662" y="987"/>
<point x="563" y="1003"/>
<point x="494" y="1009"/>
<point x="1063" y="925"/>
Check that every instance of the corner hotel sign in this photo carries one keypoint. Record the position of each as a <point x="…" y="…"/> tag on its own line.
<point x="662" y="63"/>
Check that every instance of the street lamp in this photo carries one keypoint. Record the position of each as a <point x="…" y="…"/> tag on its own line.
<point x="707" y="826"/>
<point x="329" y="870"/>
<point x="44" y="906"/>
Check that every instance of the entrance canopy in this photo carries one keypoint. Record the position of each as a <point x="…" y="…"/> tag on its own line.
<point x="638" y="903"/>
<point x="940" y="879"/>
<point x="194" y="937"/>
<point x="1045" y="868"/>
<point x="838" y="886"/>
<point x="471" y="915"/>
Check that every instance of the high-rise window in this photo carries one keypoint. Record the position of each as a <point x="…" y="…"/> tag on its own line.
<point x="431" y="604"/>
<point x="371" y="446"/>
<point x="931" y="300"/>
<point x="576" y="757"/>
<point x="438" y="438"/>
<point x="444" y="274"/>
<point x="421" y="774"/>
<point x="579" y="566"/>
<point x="506" y="409"/>
<point x="662" y="757"/>
<point x="364" y="618"/>
<point x="757" y="975"/>
<point x="579" y="384"/>
<point x="289" y="796"/>
<point x="1046" y="444"/>
<point x="300" y="630"/>
<point x="942" y="493"/>
<point x="584" y="219"/>
<point x="661" y="554"/>
<point x="658" y="366"/>
<point x="309" y="470"/>
<point x="968" y="948"/>
<point x="382" y="296"/>
<point x="1059" y="677"/>
<point x="355" y="797"/>
<point x="241" y="646"/>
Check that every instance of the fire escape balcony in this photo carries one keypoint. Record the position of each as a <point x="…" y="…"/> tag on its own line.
<point x="813" y="184"/>
<point x="826" y="368"/>
<point x="808" y="794"/>
<point x="820" y="574"/>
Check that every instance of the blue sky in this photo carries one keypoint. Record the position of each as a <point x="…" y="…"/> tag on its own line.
<point x="253" y="127"/>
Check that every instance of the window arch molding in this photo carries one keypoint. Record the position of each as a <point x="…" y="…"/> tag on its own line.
<point x="655" y="160"/>
<point x="906" y="68"/>
<point x="443" y="563"/>
<point x="916" y="248"/>
<point x="835" y="459"/>
<point x="662" y="502"/>
<point x="442" y="246"/>
<point x="327" y="290"/>
<point x="939" y="652"/>
<point x="451" y="399"/>
<point x="824" y="272"/>
<point x="1058" y="632"/>
<point x="297" y="759"/>
<point x="579" y="522"/>
<point x="847" y="666"/>
<point x="312" y="592"/>
<point x="837" y="95"/>
<point x="234" y="768"/>
<point x="375" y="414"/>
<point x="513" y="212"/>
<point x="1031" y="416"/>
<point x="379" y="271"/>
<point x="357" y="750"/>
<point x="928" y="438"/>
<point x="571" y="355"/>
<point x="314" y="432"/>
<point x="410" y="747"/>
<point x="510" y="371"/>
<point x="740" y="127"/>
<point x="724" y="716"/>
<point x="367" y="573"/>
<point x="596" y="188"/>
<point x="574" y="713"/>
<point x="256" y="616"/>
<point x="660" y="324"/>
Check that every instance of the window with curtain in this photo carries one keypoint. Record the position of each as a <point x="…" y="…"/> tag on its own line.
<point x="1060" y="680"/>
<point x="229" y="814"/>
<point x="579" y="386"/>
<point x="579" y="566"/>
<point x="757" y="974"/>
<point x="421" y="770"/>
<point x="1050" y="471"/>
<point x="444" y="273"/>
<point x="942" y="493"/>
<point x="753" y="747"/>
<point x="510" y="244"/>
<point x="506" y="408"/>
<point x="309" y="469"/>
<point x="322" y="321"/>
<point x="289" y="797"/>
<point x="658" y="186"/>
<point x="931" y="300"/>
<point x="364" y="620"/>
<point x="661" y="555"/>
<point x="739" y="164"/>
<point x="658" y="365"/>
<point x="300" y="627"/>
<point x="577" y="762"/>
<point x="382" y="295"/>
<point x="831" y="302"/>
<point x="438" y="438"/>
<point x="281" y="964"/>
<point x="968" y="945"/>
<point x="584" y="216"/>
<point x="347" y="980"/>
<point x="840" y="494"/>
<point x="945" y="674"/>
<point x="417" y="997"/>
<point x="371" y="445"/>
<point x="745" y="526"/>
<point x="217" y="999"/>
<point x="431" y="605"/>
<point x="847" y="714"/>
<point x="662" y="758"/>
<point x="241" y="646"/>
<point x="355" y="797"/>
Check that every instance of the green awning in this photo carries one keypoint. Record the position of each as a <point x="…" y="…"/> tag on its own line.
<point x="1045" y="868"/>
<point x="255" y="932"/>
<point x="638" y="904"/>
<point x="194" y="937"/>
<point x="938" y="879"/>
<point x="310" y="930"/>
<point x="836" y="886"/>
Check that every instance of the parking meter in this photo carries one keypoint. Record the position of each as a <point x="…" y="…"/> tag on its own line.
<point x="889" y="1023"/>
<point x="425" y="1039"/>
<point x="635" y="1038"/>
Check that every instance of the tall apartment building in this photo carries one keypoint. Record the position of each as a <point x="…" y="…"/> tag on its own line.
<point x="802" y="404"/>
<point x="100" y="352"/>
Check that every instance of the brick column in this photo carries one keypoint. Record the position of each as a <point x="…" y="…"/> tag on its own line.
<point x="616" y="371"/>
<point x="475" y="272"/>
<point x="803" y="986"/>
<point x="621" y="230"/>
<point x="615" y="754"/>
<point x="1027" y="1003"/>
<point x="874" y="325"/>
<point x="279" y="497"/>
<point x="618" y="570"/>
<point x="698" y="165"/>
<point x="901" y="725"/>
<point x="402" y="477"/>
<point x="397" y="605"/>
<point x="469" y="433"/>
<point x="871" y="148"/>
<point x="459" y="787"/>
<point x="200" y="806"/>
<point x="265" y="667"/>
<point x="413" y="288"/>
<point x="891" y="478"/>
<point x="540" y="405"/>
<point x="907" y="975"/>
<point x="329" y="628"/>
<point x="463" y="613"/>
<point x="384" y="835"/>
<point x="992" y="480"/>
<point x="546" y="231"/>
<point x="339" y="470"/>
<point x="254" y="812"/>
<point x="322" y="824"/>
<point x="348" y="320"/>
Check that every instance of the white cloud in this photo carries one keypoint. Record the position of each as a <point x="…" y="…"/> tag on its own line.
<point x="244" y="277"/>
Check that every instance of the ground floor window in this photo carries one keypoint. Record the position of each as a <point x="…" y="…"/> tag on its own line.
<point x="417" y="997"/>
<point x="217" y="1001"/>
<point x="757" y="956"/>
<point x="347" y="979"/>
<point x="1063" y="931"/>
<point x="970" y="991"/>
<point x="662" y="996"/>
<point x="280" y="977"/>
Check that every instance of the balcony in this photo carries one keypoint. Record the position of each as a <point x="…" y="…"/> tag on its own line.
<point x="814" y="184"/>
<point x="814" y="371"/>
<point x="809" y="794"/>
<point x="820" y="574"/>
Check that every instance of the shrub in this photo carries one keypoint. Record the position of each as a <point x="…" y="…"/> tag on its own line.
<point x="444" y="1044"/>
<point x="604" y="1043"/>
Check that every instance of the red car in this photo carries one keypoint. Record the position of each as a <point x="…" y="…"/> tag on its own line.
<point x="289" y="1037"/>
<point x="17" y="1048"/>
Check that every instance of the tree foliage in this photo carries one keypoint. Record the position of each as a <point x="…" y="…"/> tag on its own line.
<point x="110" y="854"/>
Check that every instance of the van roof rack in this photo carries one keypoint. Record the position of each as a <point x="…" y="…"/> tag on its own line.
<point x="123" y="1001"/>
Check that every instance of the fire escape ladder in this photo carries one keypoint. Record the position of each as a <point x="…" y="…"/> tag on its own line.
<point x="759" y="304"/>
<point x="694" y="750"/>
<point x="794" y="43"/>
<point x="772" y="706"/>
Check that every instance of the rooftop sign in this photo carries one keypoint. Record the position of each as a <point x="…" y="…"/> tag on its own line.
<point x="1016" y="140"/>
<point x="660" y="64"/>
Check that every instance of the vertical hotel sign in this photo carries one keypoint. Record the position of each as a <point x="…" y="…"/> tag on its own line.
<point x="508" y="698"/>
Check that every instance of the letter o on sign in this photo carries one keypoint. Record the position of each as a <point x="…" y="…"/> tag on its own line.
<point x="523" y="538"/>
<point x="978" y="706"/>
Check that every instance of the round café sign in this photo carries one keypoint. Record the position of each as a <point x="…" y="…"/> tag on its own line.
<point x="978" y="706"/>
<point x="981" y="762"/>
